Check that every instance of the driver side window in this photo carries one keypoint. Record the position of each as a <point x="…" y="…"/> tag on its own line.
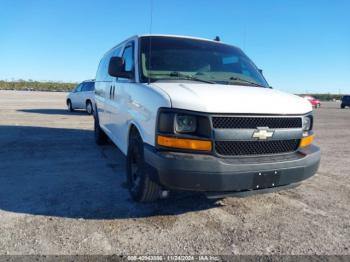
<point x="128" y="56"/>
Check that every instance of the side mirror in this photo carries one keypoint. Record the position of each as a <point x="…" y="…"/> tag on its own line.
<point x="116" y="68"/>
<point x="261" y="71"/>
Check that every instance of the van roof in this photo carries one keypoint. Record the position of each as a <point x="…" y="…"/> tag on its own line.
<point x="179" y="36"/>
<point x="175" y="36"/>
<point x="165" y="35"/>
<point x="186" y="36"/>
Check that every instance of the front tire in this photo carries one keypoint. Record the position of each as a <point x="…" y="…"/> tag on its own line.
<point x="141" y="187"/>
<point x="342" y="106"/>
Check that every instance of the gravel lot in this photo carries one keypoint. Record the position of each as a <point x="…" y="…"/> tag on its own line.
<point x="62" y="194"/>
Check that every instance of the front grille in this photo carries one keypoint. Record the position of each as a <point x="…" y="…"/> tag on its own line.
<point x="240" y="148"/>
<point x="254" y="122"/>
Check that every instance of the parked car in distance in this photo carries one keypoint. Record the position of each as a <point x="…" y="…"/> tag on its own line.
<point x="82" y="97"/>
<point x="314" y="102"/>
<point x="345" y="102"/>
<point x="177" y="108"/>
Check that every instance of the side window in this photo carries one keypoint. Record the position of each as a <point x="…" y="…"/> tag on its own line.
<point x="90" y="86"/>
<point x="117" y="51"/>
<point x="128" y="56"/>
<point x="84" y="87"/>
<point x="99" y="73"/>
<point x="105" y="75"/>
<point x="78" y="89"/>
<point x="102" y="72"/>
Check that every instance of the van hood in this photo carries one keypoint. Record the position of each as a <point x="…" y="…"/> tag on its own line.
<point x="216" y="98"/>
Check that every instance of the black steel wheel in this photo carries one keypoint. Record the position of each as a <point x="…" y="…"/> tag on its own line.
<point x="141" y="187"/>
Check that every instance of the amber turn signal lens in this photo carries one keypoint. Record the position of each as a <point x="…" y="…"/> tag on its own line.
<point x="306" y="141"/>
<point x="192" y="144"/>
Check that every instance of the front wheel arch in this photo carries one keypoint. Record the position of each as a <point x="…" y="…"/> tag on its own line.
<point x="133" y="127"/>
<point x="140" y="185"/>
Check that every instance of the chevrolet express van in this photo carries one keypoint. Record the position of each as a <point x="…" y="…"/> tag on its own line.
<point x="196" y="114"/>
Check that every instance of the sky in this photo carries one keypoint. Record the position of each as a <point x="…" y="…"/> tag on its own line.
<point x="302" y="46"/>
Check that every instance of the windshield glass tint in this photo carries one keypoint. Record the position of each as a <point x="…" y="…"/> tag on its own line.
<point x="177" y="58"/>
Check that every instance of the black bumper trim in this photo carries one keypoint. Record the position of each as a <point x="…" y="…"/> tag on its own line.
<point x="246" y="193"/>
<point x="195" y="172"/>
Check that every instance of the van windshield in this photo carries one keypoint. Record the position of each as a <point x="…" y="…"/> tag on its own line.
<point x="172" y="58"/>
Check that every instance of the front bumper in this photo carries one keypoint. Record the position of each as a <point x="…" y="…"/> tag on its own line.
<point x="206" y="173"/>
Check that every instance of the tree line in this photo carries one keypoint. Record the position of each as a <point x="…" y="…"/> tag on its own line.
<point x="29" y="85"/>
<point x="53" y="86"/>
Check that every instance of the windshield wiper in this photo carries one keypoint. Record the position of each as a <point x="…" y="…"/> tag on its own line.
<point x="180" y="75"/>
<point x="234" y="78"/>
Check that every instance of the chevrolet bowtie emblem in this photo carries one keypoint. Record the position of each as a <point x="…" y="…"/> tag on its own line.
<point x="262" y="134"/>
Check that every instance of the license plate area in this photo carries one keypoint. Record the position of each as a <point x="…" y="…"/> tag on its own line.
<point x="266" y="179"/>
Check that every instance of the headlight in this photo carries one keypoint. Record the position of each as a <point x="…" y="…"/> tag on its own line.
<point x="307" y="123"/>
<point x="180" y="123"/>
<point x="185" y="123"/>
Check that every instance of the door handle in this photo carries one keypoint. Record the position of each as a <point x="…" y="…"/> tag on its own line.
<point x="111" y="92"/>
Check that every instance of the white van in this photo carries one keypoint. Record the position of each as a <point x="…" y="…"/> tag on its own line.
<point x="196" y="114"/>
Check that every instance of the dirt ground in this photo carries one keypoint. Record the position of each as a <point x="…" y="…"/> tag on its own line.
<point x="62" y="194"/>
